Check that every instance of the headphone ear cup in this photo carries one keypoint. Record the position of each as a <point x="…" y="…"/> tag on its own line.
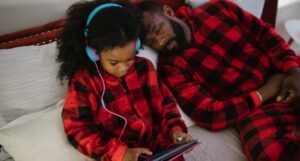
<point x="138" y="45"/>
<point x="92" y="54"/>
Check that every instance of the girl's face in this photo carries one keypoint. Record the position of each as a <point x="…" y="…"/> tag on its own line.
<point x="118" y="60"/>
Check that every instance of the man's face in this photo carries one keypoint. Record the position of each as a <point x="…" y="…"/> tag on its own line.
<point x="163" y="33"/>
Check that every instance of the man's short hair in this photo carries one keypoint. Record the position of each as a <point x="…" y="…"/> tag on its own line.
<point x="150" y="6"/>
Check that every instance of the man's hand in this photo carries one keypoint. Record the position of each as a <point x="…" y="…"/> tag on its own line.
<point x="290" y="88"/>
<point x="180" y="137"/>
<point x="272" y="87"/>
<point x="132" y="154"/>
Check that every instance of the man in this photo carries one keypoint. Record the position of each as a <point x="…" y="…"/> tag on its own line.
<point x="228" y="68"/>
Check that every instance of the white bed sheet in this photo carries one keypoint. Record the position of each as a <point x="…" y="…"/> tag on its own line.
<point x="215" y="146"/>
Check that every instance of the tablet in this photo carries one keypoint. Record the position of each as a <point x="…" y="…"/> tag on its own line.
<point x="170" y="153"/>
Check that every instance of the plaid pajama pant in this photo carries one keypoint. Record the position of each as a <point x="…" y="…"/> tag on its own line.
<point x="269" y="133"/>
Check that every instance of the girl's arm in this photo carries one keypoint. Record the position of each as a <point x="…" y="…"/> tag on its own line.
<point x="82" y="132"/>
<point x="165" y="106"/>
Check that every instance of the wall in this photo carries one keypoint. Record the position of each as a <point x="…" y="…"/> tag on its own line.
<point x="20" y="14"/>
<point x="287" y="9"/>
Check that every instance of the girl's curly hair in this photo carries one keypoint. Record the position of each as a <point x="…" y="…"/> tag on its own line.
<point x="111" y="27"/>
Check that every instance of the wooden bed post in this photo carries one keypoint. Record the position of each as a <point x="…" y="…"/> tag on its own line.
<point x="270" y="12"/>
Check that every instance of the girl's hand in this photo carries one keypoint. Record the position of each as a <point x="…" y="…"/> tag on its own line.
<point x="180" y="137"/>
<point x="132" y="154"/>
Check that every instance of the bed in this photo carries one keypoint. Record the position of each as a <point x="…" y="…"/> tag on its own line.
<point x="31" y="96"/>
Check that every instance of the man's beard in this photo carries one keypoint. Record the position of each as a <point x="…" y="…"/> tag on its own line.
<point x="179" y="38"/>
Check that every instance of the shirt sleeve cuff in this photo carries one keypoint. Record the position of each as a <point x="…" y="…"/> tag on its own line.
<point x="175" y="128"/>
<point x="289" y="65"/>
<point x="119" y="153"/>
<point x="255" y="98"/>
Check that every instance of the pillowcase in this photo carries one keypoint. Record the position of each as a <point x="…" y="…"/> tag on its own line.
<point x="28" y="80"/>
<point x="149" y="54"/>
<point x="39" y="136"/>
<point x="2" y="121"/>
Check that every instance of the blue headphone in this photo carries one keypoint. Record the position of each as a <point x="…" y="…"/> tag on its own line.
<point x="91" y="52"/>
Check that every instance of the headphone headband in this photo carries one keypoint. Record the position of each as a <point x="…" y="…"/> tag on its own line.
<point x="99" y="8"/>
<point x="95" y="11"/>
<point x="89" y="50"/>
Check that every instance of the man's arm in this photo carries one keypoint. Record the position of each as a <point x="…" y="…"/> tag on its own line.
<point x="282" y="57"/>
<point x="205" y="110"/>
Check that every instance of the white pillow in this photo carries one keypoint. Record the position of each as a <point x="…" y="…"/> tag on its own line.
<point x="28" y="80"/>
<point x="255" y="7"/>
<point x="39" y="136"/>
<point x="2" y="121"/>
<point x="151" y="55"/>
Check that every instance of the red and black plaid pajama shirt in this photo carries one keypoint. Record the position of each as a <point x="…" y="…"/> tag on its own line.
<point x="145" y="102"/>
<point x="214" y="80"/>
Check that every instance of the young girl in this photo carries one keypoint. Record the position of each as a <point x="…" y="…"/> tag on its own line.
<point x="116" y="108"/>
